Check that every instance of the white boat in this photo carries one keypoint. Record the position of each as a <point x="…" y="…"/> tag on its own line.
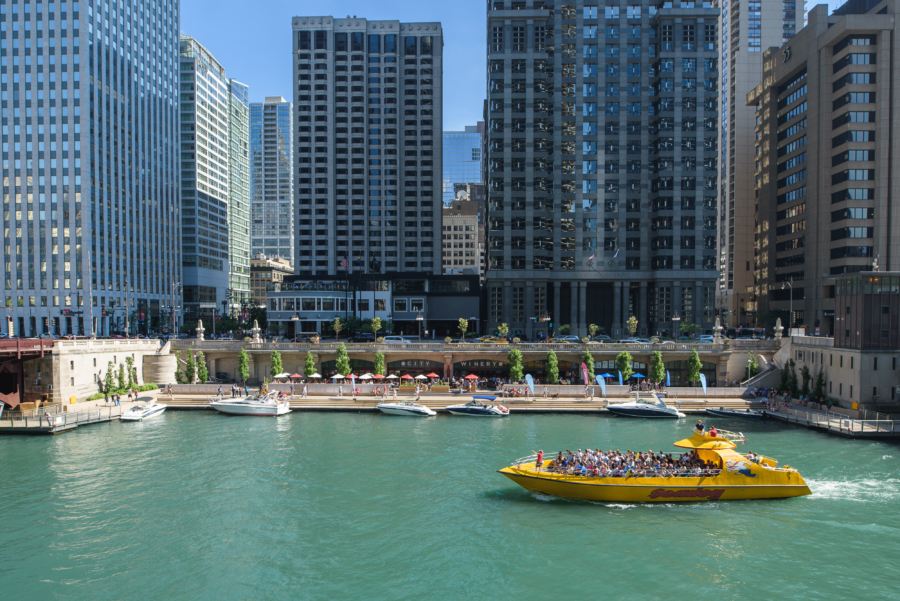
<point x="655" y="408"/>
<point x="266" y="405"/>
<point x="750" y="413"/>
<point x="476" y="408"/>
<point x="405" y="408"/>
<point x="142" y="411"/>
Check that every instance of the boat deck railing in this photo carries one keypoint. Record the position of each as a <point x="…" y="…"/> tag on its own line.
<point x="731" y="436"/>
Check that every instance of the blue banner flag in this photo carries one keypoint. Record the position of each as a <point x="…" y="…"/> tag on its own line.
<point x="602" y="384"/>
<point x="668" y="379"/>
<point x="530" y="382"/>
<point x="620" y="378"/>
<point x="703" y="381"/>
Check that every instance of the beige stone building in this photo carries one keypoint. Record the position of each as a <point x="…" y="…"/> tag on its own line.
<point x="826" y="202"/>
<point x="462" y="249"/>
<point x="265" y="270"/>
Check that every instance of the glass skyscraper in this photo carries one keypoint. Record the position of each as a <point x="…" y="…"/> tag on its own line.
<point x="90" y="164"/>
<point x="215" y="191"/>
<point x="462" y="158"/>
<point x="271" y="181"/>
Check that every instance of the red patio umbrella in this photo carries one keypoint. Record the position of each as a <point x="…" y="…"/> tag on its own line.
<point x="378" y="377"/>
<point x="471" y="377"/>
<point x="432" y="375"/>
<point x="296" y="376"/>
<point x="406" y="377"/>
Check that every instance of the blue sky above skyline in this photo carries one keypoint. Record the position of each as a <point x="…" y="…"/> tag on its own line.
<point x="254" y="45"/>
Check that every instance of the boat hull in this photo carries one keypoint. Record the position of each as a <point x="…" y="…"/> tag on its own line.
<point x="646" y="413"/>
<point x="474" y="412"/>
<point x="251" y="410"/>
<point x="128" y="417"/>
<point x="740" y="414"/>
<point x="724" y="487"/>
<point x="406" y="411"/>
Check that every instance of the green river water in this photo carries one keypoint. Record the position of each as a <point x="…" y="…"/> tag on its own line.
<point x="194" y="505"/>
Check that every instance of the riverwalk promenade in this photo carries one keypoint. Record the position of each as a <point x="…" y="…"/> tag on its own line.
<point x="63" y="418"/>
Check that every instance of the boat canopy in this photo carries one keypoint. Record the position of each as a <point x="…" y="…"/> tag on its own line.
<point x="485" y="398"/>
<point x="701" y="441"/>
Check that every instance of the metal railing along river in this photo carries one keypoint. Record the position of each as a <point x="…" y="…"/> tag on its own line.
<point x="838" y="422"/>
<point x="39" y="418"/>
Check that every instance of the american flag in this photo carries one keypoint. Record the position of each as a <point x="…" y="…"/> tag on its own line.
<point x="345" y="263"/>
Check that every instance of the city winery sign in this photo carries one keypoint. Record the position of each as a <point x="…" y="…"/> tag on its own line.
<point x="480" y="364"/>
<point x="415" y="364"/>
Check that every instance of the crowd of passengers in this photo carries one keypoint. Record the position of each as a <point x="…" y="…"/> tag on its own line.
<point x="630" y="464"/>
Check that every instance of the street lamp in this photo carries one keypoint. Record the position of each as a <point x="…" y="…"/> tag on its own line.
<point x="791" y="316"/>
<point x="675" y="320"/>
<point x="294" y="319"/>
<point x="419" y="318"/>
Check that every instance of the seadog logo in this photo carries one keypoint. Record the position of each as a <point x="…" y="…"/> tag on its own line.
<point x="707" y="493"/>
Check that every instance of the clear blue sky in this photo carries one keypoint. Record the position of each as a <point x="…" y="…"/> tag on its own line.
<point x="253" y="42"/>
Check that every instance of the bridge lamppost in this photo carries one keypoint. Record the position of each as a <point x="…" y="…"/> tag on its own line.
<point x="791" y="317"/>
<point x="419" y="319"/>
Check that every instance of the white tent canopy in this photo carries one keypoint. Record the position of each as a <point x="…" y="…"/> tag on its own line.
<point x="421" y="377"/>
<point x="284" y="375"/>
<point x="391" y="377"/>
<point x="337" y="377"/>
<point x="315" y="375"/>
<point x="366" y="377"/>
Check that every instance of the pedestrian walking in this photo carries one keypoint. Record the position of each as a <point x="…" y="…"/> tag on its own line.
<point x="292" y="389"/>
<point x="394" y="392"/>
<point x="340" y="391"/>
<point x="545" y="392"/>
<point x="106" y="398"/>
<point x="304" y="391"/>
<point x="219" y="394"/>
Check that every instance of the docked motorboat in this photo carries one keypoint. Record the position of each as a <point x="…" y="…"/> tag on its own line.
<point x="477" y="407"/>
<point x="405" y="408"/>
<point x="746" y="413"/>
<point x="643" y="407"/>
<point x="265" y="404"/>
<point x="143" y="411"/>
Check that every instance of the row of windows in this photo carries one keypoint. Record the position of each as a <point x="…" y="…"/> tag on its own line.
<point x="568" y="263"/>
<point x="377" y="43"/>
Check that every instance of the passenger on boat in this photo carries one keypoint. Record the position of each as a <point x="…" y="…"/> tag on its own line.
<point x="699" y="427"/>
<point x="713" y="432"/>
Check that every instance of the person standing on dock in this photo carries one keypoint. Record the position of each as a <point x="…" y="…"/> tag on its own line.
<point x="106" y="397"/>
<point x="292" y="390"/>
<point x="304" y="391"/>
<point x="219" y="394"/>
<point x="340" y="390"/>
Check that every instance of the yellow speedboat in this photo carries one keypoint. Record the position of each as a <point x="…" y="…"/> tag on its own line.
<point x="735" y="476"/>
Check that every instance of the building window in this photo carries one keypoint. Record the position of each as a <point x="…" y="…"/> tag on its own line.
<point x="518" y="39"/>
<point x="540" y="34"/>
<point x="399" y="305"/>
<point x="496" y="306"/>
<point x="518" y="304"/>
<point x="497" y="39"/>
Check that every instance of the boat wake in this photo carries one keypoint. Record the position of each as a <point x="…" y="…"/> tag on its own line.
<point x="864" y="491"/>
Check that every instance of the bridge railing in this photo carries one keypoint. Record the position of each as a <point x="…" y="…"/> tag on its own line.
<point x="233" y="345"/>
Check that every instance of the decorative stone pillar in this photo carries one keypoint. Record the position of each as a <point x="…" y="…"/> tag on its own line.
<point x="582" y="310"/>
<point x="557" y="305"/>
<point x="642" y="308"/>
<point x="201" y="329"/>
<point x="617" y="310"/>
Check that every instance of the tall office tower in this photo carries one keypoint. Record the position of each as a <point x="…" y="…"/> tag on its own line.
<point x="602" y="158"/>
<point x="828" y="204"/>
<point x="368" y="144"/>
<point x="746" y="28"/>
<point x="271" y="179"/>
<point x="462" y="159"/>
<point x="90" y="171"/>
<point x="215" y="174"/>
<point x="239" y="247"/>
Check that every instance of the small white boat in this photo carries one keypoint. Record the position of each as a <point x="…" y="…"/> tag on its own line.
<point x="476" y="408"/>
<point x="265" y="405"/>
<point x="749" y="413"/>
<point x="142" y="411"/>
<point x="655" y="408"/>
<point x="405" y="408"/>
